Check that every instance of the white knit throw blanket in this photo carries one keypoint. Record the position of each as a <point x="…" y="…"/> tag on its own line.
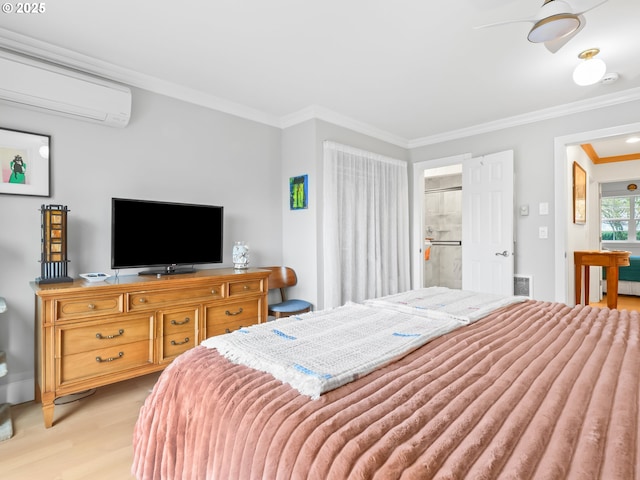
<point x="319" y="351"/>
<point x="442" y="302"/>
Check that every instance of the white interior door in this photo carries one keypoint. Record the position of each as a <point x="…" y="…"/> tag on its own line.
<point x="487" y="223"/>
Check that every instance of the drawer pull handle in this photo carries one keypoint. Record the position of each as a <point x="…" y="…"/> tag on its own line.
<point x="185" y="321"/>
<point x="226" y="330"/>
<point x="110" y="359"/>
<point x="231" y="314"/>
<point x="91" y="306"/>
<point x="108" y="337"/>
<point x="214" y="292"/>
<point x="186" y="340"/>
<point x="247" y="287"/>
<point x="142" y="300"/>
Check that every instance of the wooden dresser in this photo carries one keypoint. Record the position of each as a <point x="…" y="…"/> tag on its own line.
<point x="94" y="334"/>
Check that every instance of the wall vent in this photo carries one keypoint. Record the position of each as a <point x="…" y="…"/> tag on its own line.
<point x="523" y="285"/>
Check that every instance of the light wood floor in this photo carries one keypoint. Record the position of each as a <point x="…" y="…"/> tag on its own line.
<point x="90" y="438"/>
<point x="625" y="302"/>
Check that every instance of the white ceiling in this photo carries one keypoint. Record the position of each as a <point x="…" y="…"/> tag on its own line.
<point x="407" y="70"/>
<point x="617" y="145"/>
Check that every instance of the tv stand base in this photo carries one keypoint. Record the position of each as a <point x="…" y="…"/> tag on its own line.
<point x="167" y="271"/>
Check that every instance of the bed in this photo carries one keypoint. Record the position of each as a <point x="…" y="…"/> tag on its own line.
<point x="527" y="390"/>
<point x="629" y="278"/>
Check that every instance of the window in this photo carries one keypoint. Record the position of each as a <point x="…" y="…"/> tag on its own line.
<point x="619" y="216"/>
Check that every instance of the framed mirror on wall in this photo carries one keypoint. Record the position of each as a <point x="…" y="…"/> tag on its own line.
<point x="24" y="163"/>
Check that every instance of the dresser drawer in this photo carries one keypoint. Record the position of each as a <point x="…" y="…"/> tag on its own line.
<point x="229" y="317"/>
<point x="74" y="308"/>
<point x="104" y="361"/>
<point x="179" y="332"/>
<point x="245" y="288"/>
<point x="179" y="321"/>
<point x="177" y="343"/>
<point x="148" y="300"/>
<point x="228" y="326"/>
<point x="86" y="338"/>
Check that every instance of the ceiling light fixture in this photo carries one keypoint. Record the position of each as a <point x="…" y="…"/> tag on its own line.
<point x="553" y="28"/>
<point x="591" y="70"/>
<point x="633" y="140"/>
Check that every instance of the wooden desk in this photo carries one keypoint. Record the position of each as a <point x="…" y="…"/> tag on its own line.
<point x="609" y="259"/>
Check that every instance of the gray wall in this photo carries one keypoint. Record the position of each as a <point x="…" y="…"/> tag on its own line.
<point x="299" y="245"/>
<point x="172" y="151"/>
<point x="533" y="146"/>
<point x="302" y="152"/>
<point x="177" y="151"/>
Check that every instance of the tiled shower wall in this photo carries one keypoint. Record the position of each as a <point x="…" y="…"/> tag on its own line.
<point x="443" y="222"/>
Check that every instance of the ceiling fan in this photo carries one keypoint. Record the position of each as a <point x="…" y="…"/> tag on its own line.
<point x="557" y="22"/>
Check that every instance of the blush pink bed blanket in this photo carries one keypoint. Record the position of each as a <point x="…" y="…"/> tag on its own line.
<point x="534" y="391"/>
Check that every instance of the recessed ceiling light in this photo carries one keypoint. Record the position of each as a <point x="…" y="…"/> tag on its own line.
<point x="633" y="140"/>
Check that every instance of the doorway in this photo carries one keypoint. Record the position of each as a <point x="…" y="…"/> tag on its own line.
<point x="419" y="226"/>
<point x="563" y="250"/>
<point x="442" y="210"/>
<point x="487" y="221"/>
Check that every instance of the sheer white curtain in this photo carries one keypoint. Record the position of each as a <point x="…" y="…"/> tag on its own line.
<point x="365" y="225"/>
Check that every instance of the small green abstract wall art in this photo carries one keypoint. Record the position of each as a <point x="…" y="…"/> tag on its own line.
<point x="299" y="192"/>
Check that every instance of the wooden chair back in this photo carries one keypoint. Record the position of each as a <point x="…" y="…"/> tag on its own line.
<point x="281" y="278"/>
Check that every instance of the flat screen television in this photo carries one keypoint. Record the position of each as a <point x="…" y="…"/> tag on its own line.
<point x="173" y="237"/>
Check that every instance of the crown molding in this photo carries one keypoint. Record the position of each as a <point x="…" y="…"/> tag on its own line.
<point x="316" y="112"/>
<point x="24" y="45"/>
<point x="602" y="101"/>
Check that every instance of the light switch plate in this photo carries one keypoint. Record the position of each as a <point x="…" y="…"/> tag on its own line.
<point x="543" y="208"/>
<point x="543" y="232"/>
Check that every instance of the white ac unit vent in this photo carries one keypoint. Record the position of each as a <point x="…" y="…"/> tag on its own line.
<point x="523" y="285"/>
<point x="36" y="84"/>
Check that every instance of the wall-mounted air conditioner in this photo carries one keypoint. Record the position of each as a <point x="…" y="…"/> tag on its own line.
<point x="37" y="84"/>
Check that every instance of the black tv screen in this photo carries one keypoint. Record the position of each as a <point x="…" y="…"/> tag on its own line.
<point x="162" y="234"/>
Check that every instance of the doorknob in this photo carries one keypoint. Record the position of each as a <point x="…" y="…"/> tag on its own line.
<point x="504" y="254"/>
